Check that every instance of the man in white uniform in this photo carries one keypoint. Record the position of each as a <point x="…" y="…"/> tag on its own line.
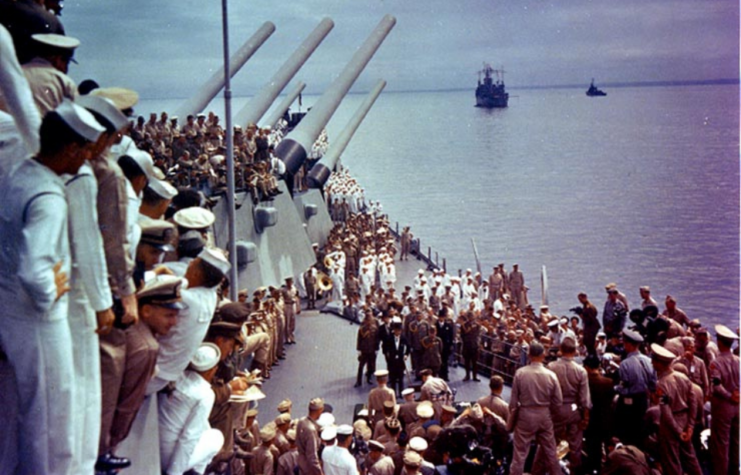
<point x="90" y="301"/>
<point x="337" y="459"/>
<point x="187" y="441"/>
<point x="176" y="349"/>
<point x="34" y="264"/>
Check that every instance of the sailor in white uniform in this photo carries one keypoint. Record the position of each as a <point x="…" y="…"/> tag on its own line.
<point x="34" y="264"/>
<point x="337" y="459"/>
<point x="90" y="301"/>
<point x="187" y="441"/>
<point x="176" y="349"/>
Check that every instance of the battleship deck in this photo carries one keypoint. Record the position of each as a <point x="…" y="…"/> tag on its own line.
<point x="324" y="363"/>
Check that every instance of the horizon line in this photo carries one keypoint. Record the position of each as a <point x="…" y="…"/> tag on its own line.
<point x="617" y="84"/>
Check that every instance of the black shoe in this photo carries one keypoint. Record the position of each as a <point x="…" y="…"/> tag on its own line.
<point x="108" y="462"/>
<point x="358" y="384"/>
<point x="477" y="380"/>
<point x="467" y="378"/>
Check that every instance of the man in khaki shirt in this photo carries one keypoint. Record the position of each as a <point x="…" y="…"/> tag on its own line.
<point x="536" y="395"/>
<point x="307" y="440"/>
<point x="572" y="416"/>
<point x="678" y="409"/>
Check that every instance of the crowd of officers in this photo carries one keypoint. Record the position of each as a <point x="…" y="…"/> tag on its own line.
<point x="640" y="396"/>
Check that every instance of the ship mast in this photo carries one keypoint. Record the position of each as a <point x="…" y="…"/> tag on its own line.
<point x="230" y="188"/>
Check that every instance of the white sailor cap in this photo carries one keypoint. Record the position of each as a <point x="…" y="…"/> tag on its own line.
<point x="104" y="107"/>
<point x="407" y="391"/>
<point x="121" y="97"/>
<point x="418" y="444"/>
<point x="57" y="41"/>
<point x="326" y="419"/>
<point x="344" y="429"/>
<point x="162" y="188"/>
<point x="79" y="120"/>
<point x="381" y="373"/>
<point x="544" y="307"/>
<point x="553" y="323"/>
<point x="144" y="161"/>
<point x="216" y="259"/>
<point x="328" y="433"/>
<point x="194" y="217"/>
<point x="206" y="357"/>
<point x="425" y="410"/>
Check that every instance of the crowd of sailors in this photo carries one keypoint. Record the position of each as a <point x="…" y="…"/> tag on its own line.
<point x="114" y="304"/>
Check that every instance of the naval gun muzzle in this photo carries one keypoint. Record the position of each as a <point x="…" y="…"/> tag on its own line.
<point x="293" y="148"/>
<point x="273" y="118"/>
<point x="321" y="171"/>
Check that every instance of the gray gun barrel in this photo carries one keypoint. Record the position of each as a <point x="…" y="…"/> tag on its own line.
<point x="320" y="172"/>
<point x="215" y="83"/>
<point x="278" y="112"/>
<point x="260" y="103"/>
<point x="293" y="148"/>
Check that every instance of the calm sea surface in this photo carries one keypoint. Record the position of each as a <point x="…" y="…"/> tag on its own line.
<point x="640" y="187"/>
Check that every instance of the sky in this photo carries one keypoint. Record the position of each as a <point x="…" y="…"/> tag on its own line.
<point x="167" y="49"/>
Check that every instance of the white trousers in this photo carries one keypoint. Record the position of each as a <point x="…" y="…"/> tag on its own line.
<point x="40" y="353"/>
<point x="208" y="446"/>
<point x="87" y="402"/>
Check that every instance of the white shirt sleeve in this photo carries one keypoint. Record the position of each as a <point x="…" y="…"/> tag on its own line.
<point x="17" y="94"/>
<point x="45" y="219"/>
<point x="86" y="242"/>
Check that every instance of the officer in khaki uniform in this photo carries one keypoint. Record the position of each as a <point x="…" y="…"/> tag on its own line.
<point x="307" y="440"/>
<point x="572" y="416"/>
<point x="536" y="396"/>
<point x="724" y="409"/>
<point x="678" y="409"/>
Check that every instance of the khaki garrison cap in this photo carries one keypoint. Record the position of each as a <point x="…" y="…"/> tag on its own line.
<point x="267" y="433"/>
<point x="291" y="435"/>
<point x="251" y="413"/>
<point x="412" y="459"/>
<point x="285" y="405"/>
<point x="121" y="97"/>
<point x="316" y="404"/>
<point x="284" y="418"/>
<point x="163" y="291"/>
<point x="660" y="353"/>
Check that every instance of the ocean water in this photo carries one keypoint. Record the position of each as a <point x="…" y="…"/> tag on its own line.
<point x="640" y="187"/>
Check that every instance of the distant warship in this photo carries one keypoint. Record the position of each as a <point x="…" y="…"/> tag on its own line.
<point x="594" y="92"/>
<point x="491" y="93"/>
